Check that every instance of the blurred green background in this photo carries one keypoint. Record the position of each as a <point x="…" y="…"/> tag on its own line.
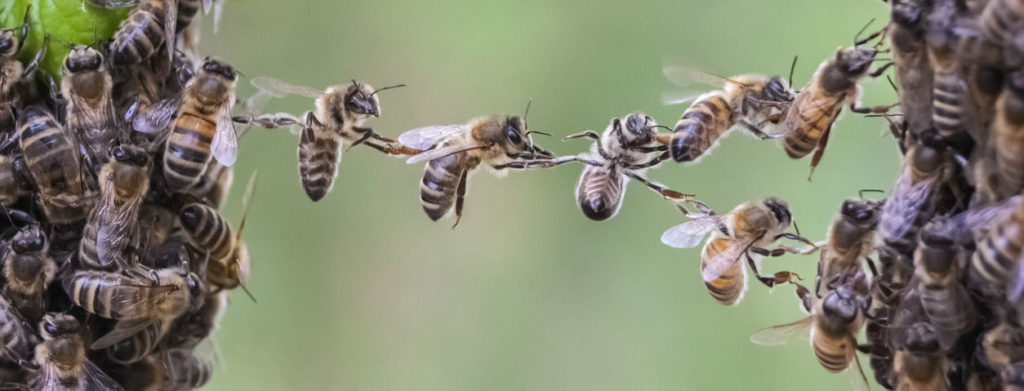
<point x="362" y="292"/>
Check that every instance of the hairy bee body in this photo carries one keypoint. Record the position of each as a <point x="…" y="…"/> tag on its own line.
<point x="600" y="191"/>
<point x="915" y="196"/>
<point x="837" y="319"/>
<point x="198" y="322"/>
<point x="113" y="223"/>
<point x="120" y="297"/>
<point x="52" y="160"/>
<point x="1000" y="18"/>
<point x="442" y="179"/>
<point x="1003" y="346"/>
<point x="207" y="230"/>
<point x="727" y="289"/>
<point x="87" y="86"/>
<point x="10" y="183"/>
<point x="207" y="96"/>
<point x="187" y="11"/>
<point x="850" y="239"/>
<point x="62" y="360"/>
<point x="139" y="35"/>
<point x="319" y="156"/>
<point x="28" y="269"/>
<point x="213" y="186"/>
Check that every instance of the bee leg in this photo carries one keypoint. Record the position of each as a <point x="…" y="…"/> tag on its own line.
<point x="872" y="110"/>
<point x="812" y="247"/>
<point x="460" y="197"/>
<point x="583" y="134"/>
<point x="659" y="188"/>
<point x="767" y="281"/>
<point x="651" y="163"/>
<point x="872" y="268"/>
<point x="878" y="72"/>
<point x="660" y="148"/>
<point x="24" y="28"/>
<point x="758" y="132"/>
<point x="367" y="133"/>
<point x="819" y="151"/>
<point x="31" y="66"/>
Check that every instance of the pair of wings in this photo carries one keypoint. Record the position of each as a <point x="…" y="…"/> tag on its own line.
<point x="899" y="214"/>
<point x="269" y="88"/>
<point x="692" y="233"/>
<point x="783" y="333"/>
<point x="429" y="138"/>
<point x="90" y="378"/>
<point x="158" y="117"/>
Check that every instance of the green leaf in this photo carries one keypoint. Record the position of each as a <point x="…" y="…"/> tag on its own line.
<point x="67" y="22"/>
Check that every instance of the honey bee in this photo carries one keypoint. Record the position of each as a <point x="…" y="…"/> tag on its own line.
<point x="1013" y="377"/>
<point x="1003" y="345"/>
<point x="920" y="365"/>
<point x="1008" y="141"/>
<point x="62" y="361"/>
<point x="749" y="100"/>
<point x="336" y="122"/>
<point x="749" y="228"/>
<point x="87" y="86"/>
<point x="17" y="339"/>
<point x="203" y="126"/>
<point x="937" y="268"/>
<point x="52" y="162"/>
<point x="171" y="369"/>
<point x="13" y="71"/>
<point x="212" y="188"/>
<point x="833" y="323"/>
<point x="152" y="23"/>
<point x="210" y="233"/>
<point x="140" y="344"/>
<point x="913" y="70"/>
<point x="997" y="257"/>
<point x="912" y="202"/>
<point x="1001" y="19"/>
<point x="196" y="324"/>
<point x="808" y="121"/>
<point x="113" y="223"/>
<point x="949" y="89"/>
<point x="627" y="148"/>
<point x="452" y="152"/>
<point x="28" y="269"/>
<point x="850" y="239"/>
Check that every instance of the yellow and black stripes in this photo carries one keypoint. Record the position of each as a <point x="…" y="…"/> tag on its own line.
<point x="999" y="19"/>
<point x="186" y="369"/>
<point x="138" y="345"/>
<point x="948" y="92"/>
<point x="207" y="230"/>
<point x="701" y="125"/>
<point x="17" y="339"/>
<point x="441" y="179"/>
<point x="318" y="162"/>
<point x="728" y="288"/>
<point x="140" y="34"/>
<point x="808" y="125"/>
<point x="600" y="191"/>
<point x="187" y="10"/>
<point x="188" y="150"/>
<point x="53" y="163"/>
<point x="834" y="354"/>
<point x="998" y="253"/>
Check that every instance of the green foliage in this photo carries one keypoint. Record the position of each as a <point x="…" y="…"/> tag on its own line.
<point x="67" y="22"/>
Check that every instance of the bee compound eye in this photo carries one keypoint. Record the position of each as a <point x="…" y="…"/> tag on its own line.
<point x="513" y="135"/>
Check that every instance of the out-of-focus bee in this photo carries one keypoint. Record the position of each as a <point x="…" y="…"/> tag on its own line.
<point x="1008" y="134"/>
<point x="212" y="188"/>
<point x="452" y="152"/>
<point x="140" y="344"/>
<point x="87" y="86"/>
<point x="850" y="239"/>
<point x="808" y="121"/>
<point x="14" y="71"/>
<point x="1001" y="20"/>
<point x="228" y="265"/>
<point x="196" y="324"/>
<point x="920" y="365"/>
<point x="113" y="223"/>
<point x="335" y="123"/>
<point x="938" y="263"/>
<point x="910" y="56"/>
<point x="627" y="148"/>
<point x="203" y="126"/>
<point x="11" y="184"/>
<point x="949" y="89"/>
<point x="926" y="167"/>
<point x="749" y="100"/>
<point x="28" y="269"/>
<point x="997" y="256"/>
<point x="172" y="369"/>
<point x="1013" y="377"/>
<point x="61" y="358"/>
<point x="52" y="161"/>
<point x="152" y="23"/>
<point x="833" y="323"/>
<point x="17" y="339"/>
<point x="1003" y="345"/>
<point x="749" y="228"/>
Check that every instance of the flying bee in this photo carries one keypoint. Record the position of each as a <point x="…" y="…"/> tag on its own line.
<point x="833" y="323"/>
<point x="1008" y="131"/>
<point x="808" y="121"/>
<point x="336" y="122"/>
<point x="749" y="100"/>
<point x="938" y="263"/>
<point x="203" y="126"/>
<point x="52" y="161"/>
<point x="171" y="369"/>
<point x="926" y="167"/>
<point x="17" y="339"/>
<point x="13" y="71"/>
<point x="920" y="364"/>
<point x="850" y="239"/>
<point x="62" y="361"/>
<point x="910" y="57"/>
<point x="151" y="24"/>
<point x="28" y="269"/>
<point x="749" y="228"/>
<point x="627" y="148"/>
<point x="452" y="152"/>
<point x="87" y="86"/>
<point x="113" y="223"/>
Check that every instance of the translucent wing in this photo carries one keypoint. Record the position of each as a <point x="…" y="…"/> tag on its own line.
<point x="122" y="330"/>
<point x="442" y="152"/>
<point x="977" y="220"/>
<point x="780" y="334"/>
<point x="858" y="380"/>
<point x="225" y="142"/>
<point x="685" y="76"/>
<point x="690" y="233"/>
<point x="723" y="260"/>
<point x="157" y="117"/>
<point x="93" y="378"/>
<point x="218" y="12"/>
<point x="113" y="3"/>
<point x="679" y="97"/>
<point x="427" y="137"/>
<point x="207" y="4"/>
<point x="279" y="88"/>
<point x="903" y="206"/>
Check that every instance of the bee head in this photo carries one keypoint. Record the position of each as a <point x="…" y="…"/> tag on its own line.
<point x="906" y="13"/>
<point x="29" y="239"/>
<point x="637" y="127"/>
<point x="130" y="155"/>
<point x="855" y="61"/>
<point x="83" y="58"/>
<point x="861" y="211"/>
<point x="840" y="304"/>
<point x="8" y="44"/>
<point x="920" y="337"/>
<point x="777" y="90"/>
<point x="362" y="100"/>
<point x="780" y="210"/>
<point x="56" y="324"/>
<point x="219" y="68"/>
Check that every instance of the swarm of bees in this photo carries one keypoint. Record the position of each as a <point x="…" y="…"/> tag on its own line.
<point x="141" y="133"/>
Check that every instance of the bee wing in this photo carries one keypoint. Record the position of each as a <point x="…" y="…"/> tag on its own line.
<point x="170" y="27"/>
<point x="978" y="219"/>
<point x="122" y="330"/>
<point x="690" y="233"/>
<point x="780" y="334"/>
<point x="207" y="4"/>
<point x="279" y="88"/>
<point x="858" y="380"/>
<point x="225" y="141"/>
<point x="157" y="117"/>
<point x="685" y="76"/>
<point x="679" y="97"/>
<point x="218" y="12"/>
<point x="93" y="378"/>
<point x="427" y="137"/>
<point x="904" y="204"/>
<point x="725" y="259"/>
<point x="104" y="114"/>
<point x="438" y="153"/>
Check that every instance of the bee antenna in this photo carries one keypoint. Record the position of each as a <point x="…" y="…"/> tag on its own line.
<point x="386" y="88"/>
<point x="797" y="228"/>
<point x="66" y="44"/>
<point x="246" y="290"/>
<point x="892" y="83"/>
<point x="856" y="38"/>
<point x="862" y="191"/>
<point x="661" y="126"/>
<point x="526" y="113"/>
<point x="240" y="73"/>
<point x="792" y="67"/>
<point x="529" y="132"/>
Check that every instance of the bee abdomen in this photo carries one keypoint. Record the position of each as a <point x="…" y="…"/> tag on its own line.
<point x="140" y="34"/>
<point x="727" y="289"/>
<point x="207" y="229"/>
<point x="834" y="358"/>
<point x="188" y="151"/>
<point x="999" y="18"/>
<point x="942" y="310"/>
<point x="600" y="192"/>
<point x="437" y="188"/>
<point x="947" y="96"/>
<point x="187" y="369"/>
<point x="187" y="10"/>
<point x="995" y="257"/>
<point x="93" y="292"/>
<point x="137" y="346"/>
<point x="700" y="126"/>
<point x="318" y="163"/>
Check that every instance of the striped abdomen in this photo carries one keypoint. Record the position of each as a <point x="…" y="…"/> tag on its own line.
<point x="1000" y="18"/>
<point x="52" y="159"/>
<point x="319" y="156"/>
<point x="139" y="345"/>
<point x="947" y="309"/>
<point x="700" y="126"/>
<point x="140" y="34"/>
<point x="948" y="92"/>
<point x="185" y="369"/>
<point x="600" y="191"/>
<point x="188" y="150"/>
<point x="187" y="10"/>
<point x="914" y="74"/>
<point x="997" y="254"/>
<point x="16" y="336"/>
<point x="207" y="230"/>
<point x="834" y="353"/>
<point x="727" y="288"/>
<point x="807" y="120"/>
<point x="10" y="188"/>
<point x="116" y="296"/>
<point x="439" y="186"/>
<point x="213" y="186"/>
<point x="1009" y="133"/>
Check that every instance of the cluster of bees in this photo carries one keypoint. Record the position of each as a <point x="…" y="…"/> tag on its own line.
<point x="136" y="135"/>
